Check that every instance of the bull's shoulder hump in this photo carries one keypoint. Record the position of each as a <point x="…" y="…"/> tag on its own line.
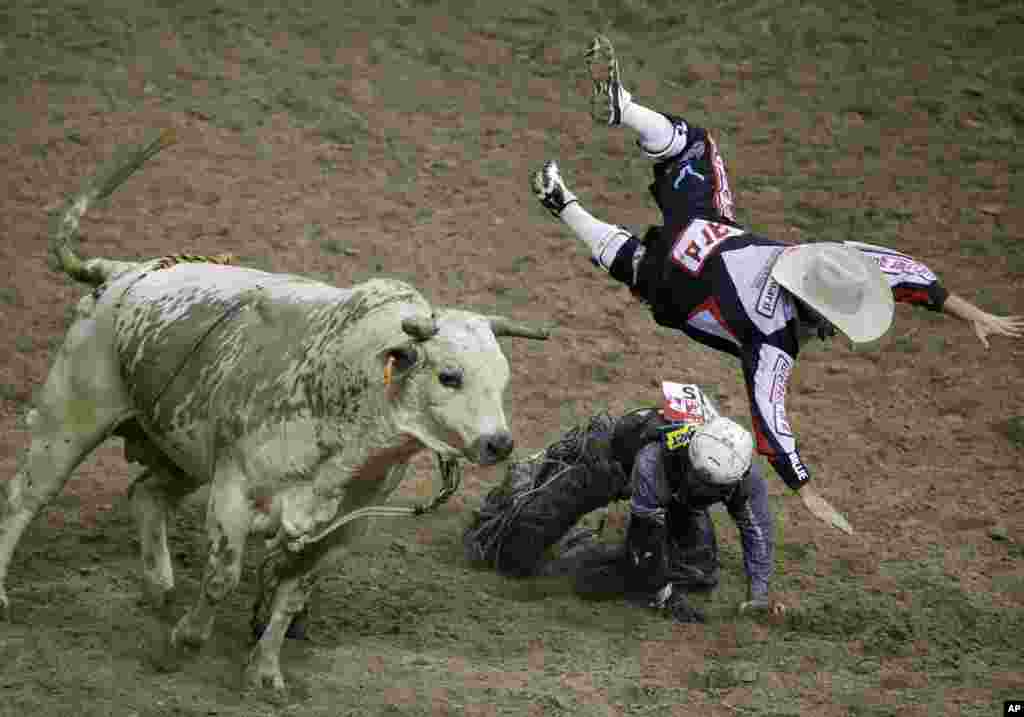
<point x="227" y="282"/>
<point x="386" y="287"/>
<point x="375" y="292"/>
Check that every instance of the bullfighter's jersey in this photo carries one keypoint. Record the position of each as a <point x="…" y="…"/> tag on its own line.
<point x="706" y="275"/>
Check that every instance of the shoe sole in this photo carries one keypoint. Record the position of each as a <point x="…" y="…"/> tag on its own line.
<point x="603" y="68"/>
<point x="539" y="184"/>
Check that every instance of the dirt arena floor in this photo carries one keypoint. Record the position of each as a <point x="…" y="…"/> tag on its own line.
<point x="397" y="139"/>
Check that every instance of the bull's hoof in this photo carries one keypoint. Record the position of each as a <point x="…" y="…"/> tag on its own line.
<point x="259" y="675"/>
<point x="185" y="635"/>
<point x="167" y="658"/>
<point x="156" y="597"/>
<point x="5" y="607"/>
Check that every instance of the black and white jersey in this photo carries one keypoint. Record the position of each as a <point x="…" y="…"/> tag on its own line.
<point x="709" y="277"/>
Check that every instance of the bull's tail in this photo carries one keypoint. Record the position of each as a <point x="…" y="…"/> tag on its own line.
<point x="100" y="186"/>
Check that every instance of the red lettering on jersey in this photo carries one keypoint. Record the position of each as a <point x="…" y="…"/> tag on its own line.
<point x="698" y="241"/>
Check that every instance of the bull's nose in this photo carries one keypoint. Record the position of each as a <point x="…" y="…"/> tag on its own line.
<point x="494" y="447"/>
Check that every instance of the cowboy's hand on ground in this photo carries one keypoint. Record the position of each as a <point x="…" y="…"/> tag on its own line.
<point x="822" y="510"/>
<point x="762" y="604"/>
<point x="682" y="611"/>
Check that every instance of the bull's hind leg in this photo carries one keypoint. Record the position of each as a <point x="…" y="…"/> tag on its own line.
<point x="81" y="402"/>
<point x="228" y="519"/>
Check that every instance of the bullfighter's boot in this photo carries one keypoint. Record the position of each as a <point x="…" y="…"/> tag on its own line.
<point x="550" y="188"/>
<point x="608" y="97"/>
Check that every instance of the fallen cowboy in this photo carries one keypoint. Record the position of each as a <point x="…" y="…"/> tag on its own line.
<point x="672" y="465"/>
<point x="298" y="403"/>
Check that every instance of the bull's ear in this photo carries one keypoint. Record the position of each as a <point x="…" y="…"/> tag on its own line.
<point x="397" y="362"/>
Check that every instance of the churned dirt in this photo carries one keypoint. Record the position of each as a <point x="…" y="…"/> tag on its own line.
<point x="917" y="439"/>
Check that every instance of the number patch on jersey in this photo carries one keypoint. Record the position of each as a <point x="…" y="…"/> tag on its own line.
<point x="699" y="241"/>
<point x="684" y="403"/>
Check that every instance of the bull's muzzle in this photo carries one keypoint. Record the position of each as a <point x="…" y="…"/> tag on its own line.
<point x="493" y="447"/>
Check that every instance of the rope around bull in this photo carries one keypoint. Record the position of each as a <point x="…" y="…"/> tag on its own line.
<point x="451" y="478"/>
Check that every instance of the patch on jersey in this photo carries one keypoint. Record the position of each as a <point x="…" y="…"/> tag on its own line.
<point x="677" y="437"/>
<point x="723" y="195"/>
<point x="698" y="241"/>
<point x="768" y="299"/>
<point x="684" y="402"/>
<point x="896" y="264"/>
<point x="798" y="466"/>
<point x="780" y="377"/>
<point x="782" y="422"/>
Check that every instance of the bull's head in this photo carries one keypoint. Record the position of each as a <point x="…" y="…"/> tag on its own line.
<point x="448" y="380"/>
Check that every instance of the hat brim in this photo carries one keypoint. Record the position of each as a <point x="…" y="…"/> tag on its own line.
<point x="875" y="315"/>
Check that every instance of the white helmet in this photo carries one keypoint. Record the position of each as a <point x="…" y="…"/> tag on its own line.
<point x="720" y="451"/>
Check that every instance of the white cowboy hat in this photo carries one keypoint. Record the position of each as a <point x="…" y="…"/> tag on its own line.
<point x="842" y="284"/>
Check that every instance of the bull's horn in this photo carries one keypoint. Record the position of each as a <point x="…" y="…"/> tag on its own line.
<point x="502" y="326"/>
<point x="420" y="328"/>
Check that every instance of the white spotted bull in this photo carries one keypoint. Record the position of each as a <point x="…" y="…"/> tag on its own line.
<point x="295" y="401"/>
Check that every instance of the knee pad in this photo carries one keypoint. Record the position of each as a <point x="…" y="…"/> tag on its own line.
<point x="676" y="145"/>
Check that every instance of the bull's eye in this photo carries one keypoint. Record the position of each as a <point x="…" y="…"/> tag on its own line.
<point x="450" y="377"/>
<point x="404" y="357"/>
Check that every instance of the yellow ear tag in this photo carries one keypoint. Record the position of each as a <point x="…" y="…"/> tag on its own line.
<point x="388" y="368"/>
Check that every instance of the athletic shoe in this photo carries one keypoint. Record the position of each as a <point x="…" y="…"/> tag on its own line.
<point x="608" y="98"/>
<point x="550" y="189"/>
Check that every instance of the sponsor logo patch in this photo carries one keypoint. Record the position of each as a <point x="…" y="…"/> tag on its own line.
<point x="723" y="195"/>
<point x="780" y="378"/>
<point x="798" y="466"/>
<point x="896" y="264"/>
<point x="679" y="437"/>
<point x="699" y="241"/>
<point x="768" y="300"/>
<point x="782" y="422"/>
<point x="687" y="170"/>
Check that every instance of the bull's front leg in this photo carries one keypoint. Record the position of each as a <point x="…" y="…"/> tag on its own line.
<point x="228" y="518"/>
<point x="293" y="580"/>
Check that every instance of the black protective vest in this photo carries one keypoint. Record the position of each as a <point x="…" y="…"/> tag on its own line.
<point x="636" y="429"/>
